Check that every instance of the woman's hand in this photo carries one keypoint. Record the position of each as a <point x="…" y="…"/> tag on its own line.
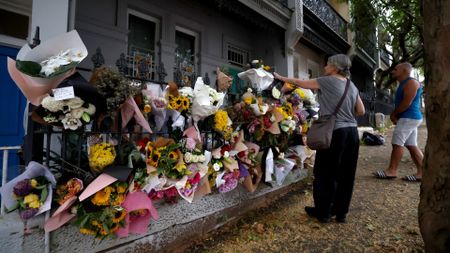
<point x="277" y="76"/>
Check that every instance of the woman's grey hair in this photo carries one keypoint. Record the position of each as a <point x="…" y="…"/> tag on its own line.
<point x="342" y="63"/>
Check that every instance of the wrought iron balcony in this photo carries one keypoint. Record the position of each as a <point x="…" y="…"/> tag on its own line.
<point x="325" y="12"/>
<point x="384" y="55"/>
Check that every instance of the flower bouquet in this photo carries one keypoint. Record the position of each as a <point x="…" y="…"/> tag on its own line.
<point x="70" y="113"/>
<point x="258" y="76"/>
<point x="30" y="192"/>
<point x="206" y="100"/>
<point x="101" y="155"/>
<point x="224" y="169"/>
<point x="101" y="215"/>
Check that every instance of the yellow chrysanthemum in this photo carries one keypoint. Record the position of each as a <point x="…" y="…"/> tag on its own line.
<point x="32" y="200"/>
<point x="102" y="197"/>
<point x="300" y="93"/>
<point x="248" y="100"/>
<point x="101" y="155"/>
<point x="33" y="183"/>
<point x="221" y="120"/>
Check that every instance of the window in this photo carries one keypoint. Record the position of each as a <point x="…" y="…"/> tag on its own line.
<point x="313" y="69"/>
<point x="14" y="24"/>
<point x="143" y="36"/>
<point x="237" y="56"/>
<point x="186" y="60"/>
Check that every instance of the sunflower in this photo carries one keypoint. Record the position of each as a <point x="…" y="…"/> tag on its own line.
<point x="119" y="216"/>
<point x="101" y="198"/>
<point x="185" y="103"/>
<point x="173" y="155"/>
<point x="115" y="228"/>
<point x="121" y="188"/>
<point x="119" y="199"/>
<point x="87" y="231"/>
<point x="154" y="158"/>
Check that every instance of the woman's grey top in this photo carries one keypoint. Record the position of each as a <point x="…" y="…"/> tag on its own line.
<point x="330" y="92"/>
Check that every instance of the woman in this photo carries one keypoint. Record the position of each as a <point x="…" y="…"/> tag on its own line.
<point x="335" y="168"/>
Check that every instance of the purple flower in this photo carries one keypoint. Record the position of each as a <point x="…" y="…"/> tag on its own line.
<point x="23" y="188"/>
<point x="28" y="213"/>
<point x="230" y="183"/>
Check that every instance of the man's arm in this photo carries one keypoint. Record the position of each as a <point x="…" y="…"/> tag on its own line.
<point x="409" y="92"/>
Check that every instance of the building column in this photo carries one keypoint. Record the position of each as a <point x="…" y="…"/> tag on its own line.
<point x="52" y="17"/>
<point x="293" y="33"/>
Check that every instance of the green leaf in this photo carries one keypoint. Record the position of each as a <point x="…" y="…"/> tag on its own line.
<point x="44" y="194"/>
<point x="29" y="67"/>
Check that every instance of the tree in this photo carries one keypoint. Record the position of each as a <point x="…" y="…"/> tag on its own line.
<point x="399" y="24"/>
<point x="434" y="207"/>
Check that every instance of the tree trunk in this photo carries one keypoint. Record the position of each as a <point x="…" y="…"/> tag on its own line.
<point x="434" y="207"/>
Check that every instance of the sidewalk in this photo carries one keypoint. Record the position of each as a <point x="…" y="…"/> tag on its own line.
<point x="382" y="218"/>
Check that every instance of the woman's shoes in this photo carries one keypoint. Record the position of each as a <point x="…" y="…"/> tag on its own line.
<point x="311" y="211"/>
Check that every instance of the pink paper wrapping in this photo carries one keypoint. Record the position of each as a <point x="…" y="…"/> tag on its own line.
<point x="129" y="110"/>
<point x="61" y="216"/>
<point x="139" y="225"/>
<point x="33" y="91"/>
<point x="193" y="134"/>
<point x="99" y="183"/>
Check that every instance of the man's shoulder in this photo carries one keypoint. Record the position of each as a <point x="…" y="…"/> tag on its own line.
<point x="413" y="82"/>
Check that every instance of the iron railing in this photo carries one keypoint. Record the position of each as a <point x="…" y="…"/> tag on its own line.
<point x="5" y="169"/>
<point x="325" y="12"/>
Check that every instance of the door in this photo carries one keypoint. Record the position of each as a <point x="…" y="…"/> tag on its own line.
<point x="12" y="104"/>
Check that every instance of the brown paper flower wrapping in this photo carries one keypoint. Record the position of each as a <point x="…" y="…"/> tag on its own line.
<point x="223" y="81"/>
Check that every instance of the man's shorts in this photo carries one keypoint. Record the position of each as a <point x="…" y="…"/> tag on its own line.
<point x="405" y="132"/>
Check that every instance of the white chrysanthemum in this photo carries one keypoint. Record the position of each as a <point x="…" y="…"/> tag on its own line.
<point x="51" y="104"/>
<point x="71" y="122"/>
<point x="75" y="103"/>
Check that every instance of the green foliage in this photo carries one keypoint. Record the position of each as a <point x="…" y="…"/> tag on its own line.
<point x="32" y="68"/>
<point x="399" y="24"/>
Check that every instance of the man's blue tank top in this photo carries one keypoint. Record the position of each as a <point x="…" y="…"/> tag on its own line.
<point x="413" y="111"/>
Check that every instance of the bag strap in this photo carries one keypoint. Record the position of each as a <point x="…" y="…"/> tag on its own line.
<point x="342" y="98"/>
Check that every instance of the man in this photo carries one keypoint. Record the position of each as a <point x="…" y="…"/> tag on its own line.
<point x="407" y="117"/>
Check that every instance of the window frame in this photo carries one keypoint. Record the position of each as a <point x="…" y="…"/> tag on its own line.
<point x="147" y="18"/>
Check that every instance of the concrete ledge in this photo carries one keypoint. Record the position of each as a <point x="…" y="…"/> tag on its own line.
<point x="178" y="227"/>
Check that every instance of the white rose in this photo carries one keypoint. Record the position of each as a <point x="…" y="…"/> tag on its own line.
<point x="51" y="104"/>
<point x="71" y="122"/>
<point x="91" y="109"/>
<point x="202" y="158"/>
<point x="216" y="167"/>
<point x="226" y="154"/>
<point x="75" y="103"/>
<point x="187" y="157"/>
